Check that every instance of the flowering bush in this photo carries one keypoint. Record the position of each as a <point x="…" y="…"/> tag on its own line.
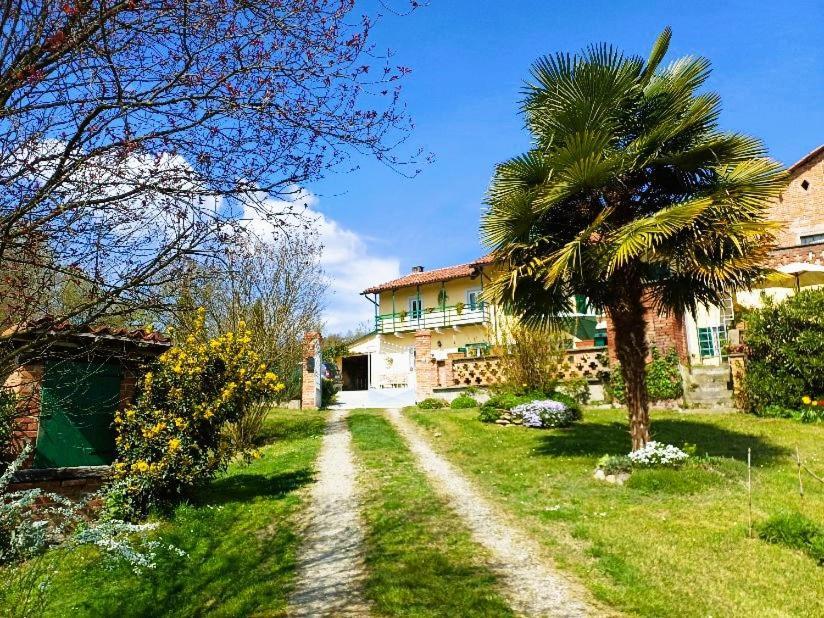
<point x="546" y="413"/>
<point x="32" y="520"/>
<point x="170" y="440"/>
<point x="812" y="409"/>
<point x="655" y="454"/>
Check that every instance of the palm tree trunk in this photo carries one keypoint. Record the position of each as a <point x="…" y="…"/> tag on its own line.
<point x="631" y="349"/>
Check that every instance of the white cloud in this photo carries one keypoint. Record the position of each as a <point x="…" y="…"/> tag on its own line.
<point x="348" y="261"/>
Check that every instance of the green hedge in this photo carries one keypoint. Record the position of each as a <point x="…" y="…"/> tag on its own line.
<point x="785" y="353"/>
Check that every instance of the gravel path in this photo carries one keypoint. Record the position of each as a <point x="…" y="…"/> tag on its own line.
<point x="531" y="586"/>
<point x="330" y="563"/>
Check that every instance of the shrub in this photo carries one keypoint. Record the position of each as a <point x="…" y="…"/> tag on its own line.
<point x="433" y="403"/>
<point x="658" y="454"/>
<point x="577" y="388"/>
<point x="489" y="415"/>
<point x="33" y="520"/>
<point x="615" y="464"/>
<point x="170" y="439"/>
<point x="245" y="433"/>
<point x="795" y="531"/>
<point x="8" y="417"/>
<point x="463" y="401"/>
<point x="663" y="378"/>
<point x="546" y="413"/>
<point x="503" y="401"/>
<point x="785" y="352"/>
<point x="328" y="393"/>
<point x="531" y="358"/>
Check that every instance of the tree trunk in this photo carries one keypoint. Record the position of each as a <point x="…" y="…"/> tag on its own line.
<point x="631" y="349"/>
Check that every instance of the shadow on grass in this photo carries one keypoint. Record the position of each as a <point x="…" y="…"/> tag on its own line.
<point x="595" y="439"/>
<point x="245" y="487"/>
<point x="240" y="557"/>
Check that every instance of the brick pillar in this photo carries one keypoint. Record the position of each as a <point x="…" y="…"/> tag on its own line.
<point x="426" y="368"/>
<point x="25" y="382"/>
<point x="128" y="385"/>
<point x="309" y="395"/>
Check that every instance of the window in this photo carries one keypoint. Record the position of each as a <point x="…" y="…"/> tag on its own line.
<point x="473" y="299"/>
<point x="711" y="340"/>
<point x="415" y="308"/>
<point x="812" y="239"/>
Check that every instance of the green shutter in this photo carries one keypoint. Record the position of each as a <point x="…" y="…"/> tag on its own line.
<point x="77" y="406"/>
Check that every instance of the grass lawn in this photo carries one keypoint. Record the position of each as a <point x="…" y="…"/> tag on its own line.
<point x="239" y="535"/>
<point x="669" y="542"/>
<point x="421" y="561"/>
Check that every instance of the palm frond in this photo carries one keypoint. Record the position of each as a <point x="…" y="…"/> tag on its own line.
<point x="635" y="239"/>
<point x="657" y="53"/>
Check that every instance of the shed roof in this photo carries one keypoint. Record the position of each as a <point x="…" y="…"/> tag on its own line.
<point x="470" y="269"/>
<point x="48" y="326"/>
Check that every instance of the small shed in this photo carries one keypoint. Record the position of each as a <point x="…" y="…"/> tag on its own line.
<point x="69" y="383"/>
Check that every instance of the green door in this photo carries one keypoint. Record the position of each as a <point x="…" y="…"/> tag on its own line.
<point x="77" y="406"/>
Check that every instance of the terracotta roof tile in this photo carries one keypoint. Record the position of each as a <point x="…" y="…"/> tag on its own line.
<point x="48" y="324"/>
<point x="432" y="276"/>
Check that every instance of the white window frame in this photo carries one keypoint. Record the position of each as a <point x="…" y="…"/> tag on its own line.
<point x="413" y="313"/>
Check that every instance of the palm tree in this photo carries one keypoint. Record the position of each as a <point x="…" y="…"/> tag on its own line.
<point x="629" y="196"/>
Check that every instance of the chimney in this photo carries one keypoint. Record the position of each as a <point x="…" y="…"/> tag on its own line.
<point x="417" y="269"/>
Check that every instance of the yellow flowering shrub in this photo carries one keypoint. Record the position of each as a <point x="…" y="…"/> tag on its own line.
<point x="170" y="439"/>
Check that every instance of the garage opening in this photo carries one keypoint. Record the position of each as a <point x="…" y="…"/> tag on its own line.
<point x="355" y="373"/>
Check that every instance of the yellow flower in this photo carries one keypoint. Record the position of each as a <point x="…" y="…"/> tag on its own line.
<point x="806" y="399"/>
<point x="179" y="423"/>
<point x="174" y="444"/>
<point x="140" y="466"/>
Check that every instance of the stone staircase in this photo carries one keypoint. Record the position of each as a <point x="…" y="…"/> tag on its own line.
<point x="709" y="386"/>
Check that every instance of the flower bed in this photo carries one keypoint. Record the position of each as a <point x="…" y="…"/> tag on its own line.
<point x="655" y="454"/>
<point x="546" y="413"/>
<point x="617" y="468"/>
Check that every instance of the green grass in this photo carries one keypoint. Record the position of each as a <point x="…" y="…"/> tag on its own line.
<point x="239" y="534"/>
<point x="669" y="542"/>
<point x="421" y="561"/>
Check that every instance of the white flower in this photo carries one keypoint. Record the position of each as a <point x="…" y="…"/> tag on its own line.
<point x="658" y="454"/>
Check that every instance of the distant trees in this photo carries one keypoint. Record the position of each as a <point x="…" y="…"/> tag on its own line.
<point x="133" y="132"/>
<point x="274" y="285"/>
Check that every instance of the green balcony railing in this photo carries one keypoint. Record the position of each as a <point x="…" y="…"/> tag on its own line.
<point x="433" y="317"/>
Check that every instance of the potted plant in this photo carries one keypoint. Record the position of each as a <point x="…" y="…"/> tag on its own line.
<point x="459" y="307"/>
<point x="403" y="314"/>
<point x="442" y="298"/>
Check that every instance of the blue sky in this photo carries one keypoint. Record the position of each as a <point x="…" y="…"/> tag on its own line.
<point x="470" y="60"/>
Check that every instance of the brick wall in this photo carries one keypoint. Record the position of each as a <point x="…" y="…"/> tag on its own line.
<point x="800" y="208"/>
<point x="811" y="254"/>
<point x="25" y="382"/>
<point x="664" y="331"/>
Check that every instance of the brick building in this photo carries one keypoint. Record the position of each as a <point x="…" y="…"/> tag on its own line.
<point x="68" y="383"/>
<point x="800" y="211"/>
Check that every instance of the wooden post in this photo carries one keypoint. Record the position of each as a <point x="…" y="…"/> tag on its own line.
<point x="749" y="492"/>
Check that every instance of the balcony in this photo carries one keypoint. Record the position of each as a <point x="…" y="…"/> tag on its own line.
<point x="432" y="318"/>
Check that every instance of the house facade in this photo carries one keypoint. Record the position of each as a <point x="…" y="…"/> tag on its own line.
<point x="434" y="334"/>
<point x="799" y="211"/>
